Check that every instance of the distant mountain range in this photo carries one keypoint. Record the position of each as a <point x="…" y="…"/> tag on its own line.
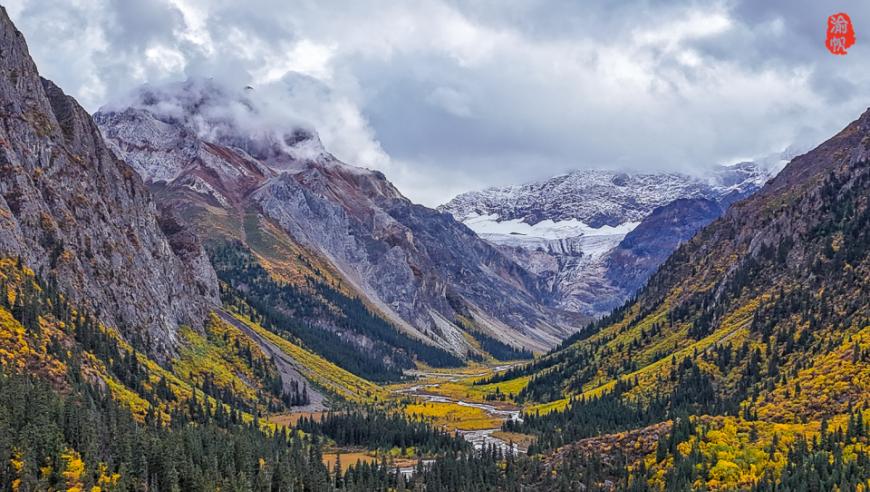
<point x="598" y="198"/>
<point x="577" y="230"/>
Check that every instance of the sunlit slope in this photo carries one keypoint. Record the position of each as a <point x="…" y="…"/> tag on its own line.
<point x="759" y="323"/>
<point x="230" y="362"/>
<point x="260" y="264"/>
<point x="318" y="370"/>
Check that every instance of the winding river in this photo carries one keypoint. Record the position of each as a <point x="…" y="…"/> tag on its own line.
<point x="478" y="438"/>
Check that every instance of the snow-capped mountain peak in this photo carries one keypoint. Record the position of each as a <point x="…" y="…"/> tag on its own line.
<point x="567" y="228"/>
<point x="172" y="118"/>
<point x="602" y="197"/>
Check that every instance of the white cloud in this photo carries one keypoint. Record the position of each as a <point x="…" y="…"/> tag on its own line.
<point x="305" y="57"/>
<point x="692" y="24"/>
<point x="444" y="96"/>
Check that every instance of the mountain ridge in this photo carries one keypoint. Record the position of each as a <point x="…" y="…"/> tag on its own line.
<point x="78" y="215"/>
<point x="599" y="197"/>
<point x="757" y="324"/>
<point x="570" y="229"/>
<point x="443" y="280"/>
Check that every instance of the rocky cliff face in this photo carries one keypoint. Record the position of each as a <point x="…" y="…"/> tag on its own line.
<point x="428" y="274"/>
<point x="78" y="215"/>
<point x="576" y="231"/>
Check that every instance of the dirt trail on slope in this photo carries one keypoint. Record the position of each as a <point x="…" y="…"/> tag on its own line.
<point x="286" y="366"/>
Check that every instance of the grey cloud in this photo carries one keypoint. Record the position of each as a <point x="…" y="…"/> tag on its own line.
<point x="133" y="25"/>
<point x="450" y="95"/>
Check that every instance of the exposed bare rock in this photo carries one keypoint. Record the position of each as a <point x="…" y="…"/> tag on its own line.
<point x="420" y="268"/>
<point x="577" y="230"/>
<point x="77" y="214"/>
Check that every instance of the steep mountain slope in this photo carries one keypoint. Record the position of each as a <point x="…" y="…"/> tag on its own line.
<point x="568" y="229"/>
<point x="648" y="245"/>
<point x="761" y="320"/>
<point x="94" y="253"/>
<point x="308" y="218"/>
<point x="81" y="408"/>
<point x="80" y="217"/>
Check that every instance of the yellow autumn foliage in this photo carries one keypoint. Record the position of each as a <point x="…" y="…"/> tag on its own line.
<point x="452" y="416"/>
<point x="320" y="371"/>
<point x="73" y="469"/>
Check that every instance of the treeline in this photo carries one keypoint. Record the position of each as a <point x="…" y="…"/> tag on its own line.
<point x="693" y="391"/>
<point x="539" y="367"/>
<point x="86" y="439"/>
<point x="323" y="319"/>
<point x="810" y="464"/>
<point x="613" y="411"/>
<point x="40" y="298"/>
<point x="500" y="350"/>
<point x="376" y="429"/>
<point x="819" y="464"/>
<point x="69" y="432"/>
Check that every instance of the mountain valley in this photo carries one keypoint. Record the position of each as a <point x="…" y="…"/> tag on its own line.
<point x="193" y="297"/>
<point x="277" y="194"/>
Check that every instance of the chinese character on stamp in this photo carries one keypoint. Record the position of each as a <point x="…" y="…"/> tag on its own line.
<point x="840" y="34"/>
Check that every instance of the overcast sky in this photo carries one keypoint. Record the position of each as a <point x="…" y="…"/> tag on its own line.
<point x="446" y="96"/>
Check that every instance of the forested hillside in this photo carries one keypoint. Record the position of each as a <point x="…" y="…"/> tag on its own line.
<point x="80" y="409"/>
<point x="757" y="332"/>
<point x="322" y="318"/>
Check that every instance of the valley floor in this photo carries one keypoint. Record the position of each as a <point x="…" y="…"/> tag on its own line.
<point x="451" y="400"/>
<point x="446" y="398"/>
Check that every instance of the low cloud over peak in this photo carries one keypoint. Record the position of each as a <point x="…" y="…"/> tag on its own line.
<point x="447" y="96"/>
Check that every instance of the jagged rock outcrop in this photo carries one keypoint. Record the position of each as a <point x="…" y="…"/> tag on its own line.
<point x="77" y="214"/>
<point x="605" y="198"/>
<point x="418" y="267"/>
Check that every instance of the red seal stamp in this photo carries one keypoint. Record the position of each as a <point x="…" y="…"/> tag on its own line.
<point x="841" y="34"/>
